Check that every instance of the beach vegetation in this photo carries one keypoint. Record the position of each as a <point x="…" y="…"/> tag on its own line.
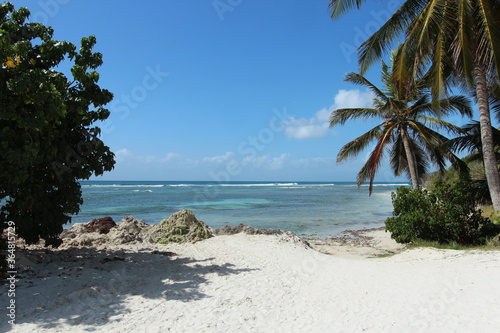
<point x="488" y="246"/>
<point x="470" y="142"/>
<point x="48" y="136"/>
<point x="445" y="215"/>
<point x="383" y="255"/>
<point x="408" y="128"/>
<point x="457" y="43"/>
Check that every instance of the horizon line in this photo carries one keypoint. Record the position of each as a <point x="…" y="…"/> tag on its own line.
<point x="234" y="181"/>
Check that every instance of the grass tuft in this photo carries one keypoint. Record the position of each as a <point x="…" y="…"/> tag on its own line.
<point x="491" y="245"/>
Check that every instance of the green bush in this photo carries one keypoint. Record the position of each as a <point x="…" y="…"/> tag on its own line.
<point x="447" y="214"/>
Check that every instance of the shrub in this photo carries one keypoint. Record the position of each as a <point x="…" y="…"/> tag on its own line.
<point x="447" y="214"/>
<point x="50" y="102"/>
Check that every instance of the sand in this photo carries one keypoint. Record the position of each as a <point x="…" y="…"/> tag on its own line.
<point x="258" y="283"/>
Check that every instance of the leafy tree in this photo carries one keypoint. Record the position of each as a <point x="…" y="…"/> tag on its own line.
<point x="407" y="128"/>
<point x="457" y="41"/>
<point x="447" y="214"/>
<point x="47" y="137"/>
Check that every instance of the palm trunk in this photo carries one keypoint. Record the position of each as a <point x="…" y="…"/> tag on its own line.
<point x="410" y="158"/>
<point x="490" y="162"/>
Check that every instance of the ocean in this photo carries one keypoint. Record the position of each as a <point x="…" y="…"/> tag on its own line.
<point x="319" y="209"/>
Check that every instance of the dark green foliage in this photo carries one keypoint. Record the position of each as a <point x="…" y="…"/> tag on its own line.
<point x="47" y="141"/>
<point x="469" y="140"/>
<point x="447" y="214"/>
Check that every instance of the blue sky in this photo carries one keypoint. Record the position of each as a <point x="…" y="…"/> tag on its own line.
<point x="224" y="89"/>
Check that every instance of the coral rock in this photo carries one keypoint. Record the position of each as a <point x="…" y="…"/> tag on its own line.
<point x="128" y="230"/>
<point x="80" y="235"/>
<point x="102" y="225"/>
<point x="283" y="236"/>
<point x="180" y="227"/>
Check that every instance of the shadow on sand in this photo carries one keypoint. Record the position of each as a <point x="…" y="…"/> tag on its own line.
<point x="84" y="286"/>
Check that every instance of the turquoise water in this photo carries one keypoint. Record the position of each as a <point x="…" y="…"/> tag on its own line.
<point x="306" y="208"/>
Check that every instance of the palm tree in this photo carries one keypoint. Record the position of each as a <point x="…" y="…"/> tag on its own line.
<point x="458" y="41"/>
<point x="407" y="131"/>
<point x="470" y="141"/>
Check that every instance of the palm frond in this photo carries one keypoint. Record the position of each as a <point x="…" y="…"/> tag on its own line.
<point x="425" y="22"/>
<point x="399" y="160"/>
<point x="495" y="107"/>
<point x="421" y="160"/>
<point x="488" y="23"/>
<point x="398" y="157"/>
<point x="379" y="43"/>
<point x="437" y="69"/>
<point x="495" y="101"/>
<point x="370" y="168"/>
<point x="340" y="7"/>
<point x="340" y="116"/>
<point x="422" y="105"/>
<point x="423" y="121"/>
<point x="426" y="47"/>
<point x="378" y="104"/>
<point x="438" y="150"/>
<point x="471" y="140"/>
<point x="402" y="66"/>
<point x="387" y="79"/>
<point x="460" y="104"/>
<point x="357" y="145"/>
<point x="431" y="142"/>
<point x="445" y="107"/>
<point x="458" y="164"/>
<point x="463" y="59"/>
<point x="429" y="34"/>
<point x="427" y="135"/>
<point x="360" y="80"/>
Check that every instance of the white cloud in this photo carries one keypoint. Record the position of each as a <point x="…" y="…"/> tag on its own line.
<point x="311" y="128"/>
<point x="171" y="157"/>
<point x="174" y="162"/>
<point x="264" y="162"/>
<point x="278" y="162"/>
<point x="318" y="125"/>
<point x="317" y="162"/>
<point x="218" y="159"/>
<point x="352" y="99"/>
<point x="254" y="161"/>
<point x="123" y="154"/>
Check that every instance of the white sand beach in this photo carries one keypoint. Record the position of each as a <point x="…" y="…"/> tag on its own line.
<point x="257" y="283"/>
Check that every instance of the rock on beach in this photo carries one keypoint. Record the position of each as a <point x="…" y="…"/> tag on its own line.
<point x="180" y="227"/>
